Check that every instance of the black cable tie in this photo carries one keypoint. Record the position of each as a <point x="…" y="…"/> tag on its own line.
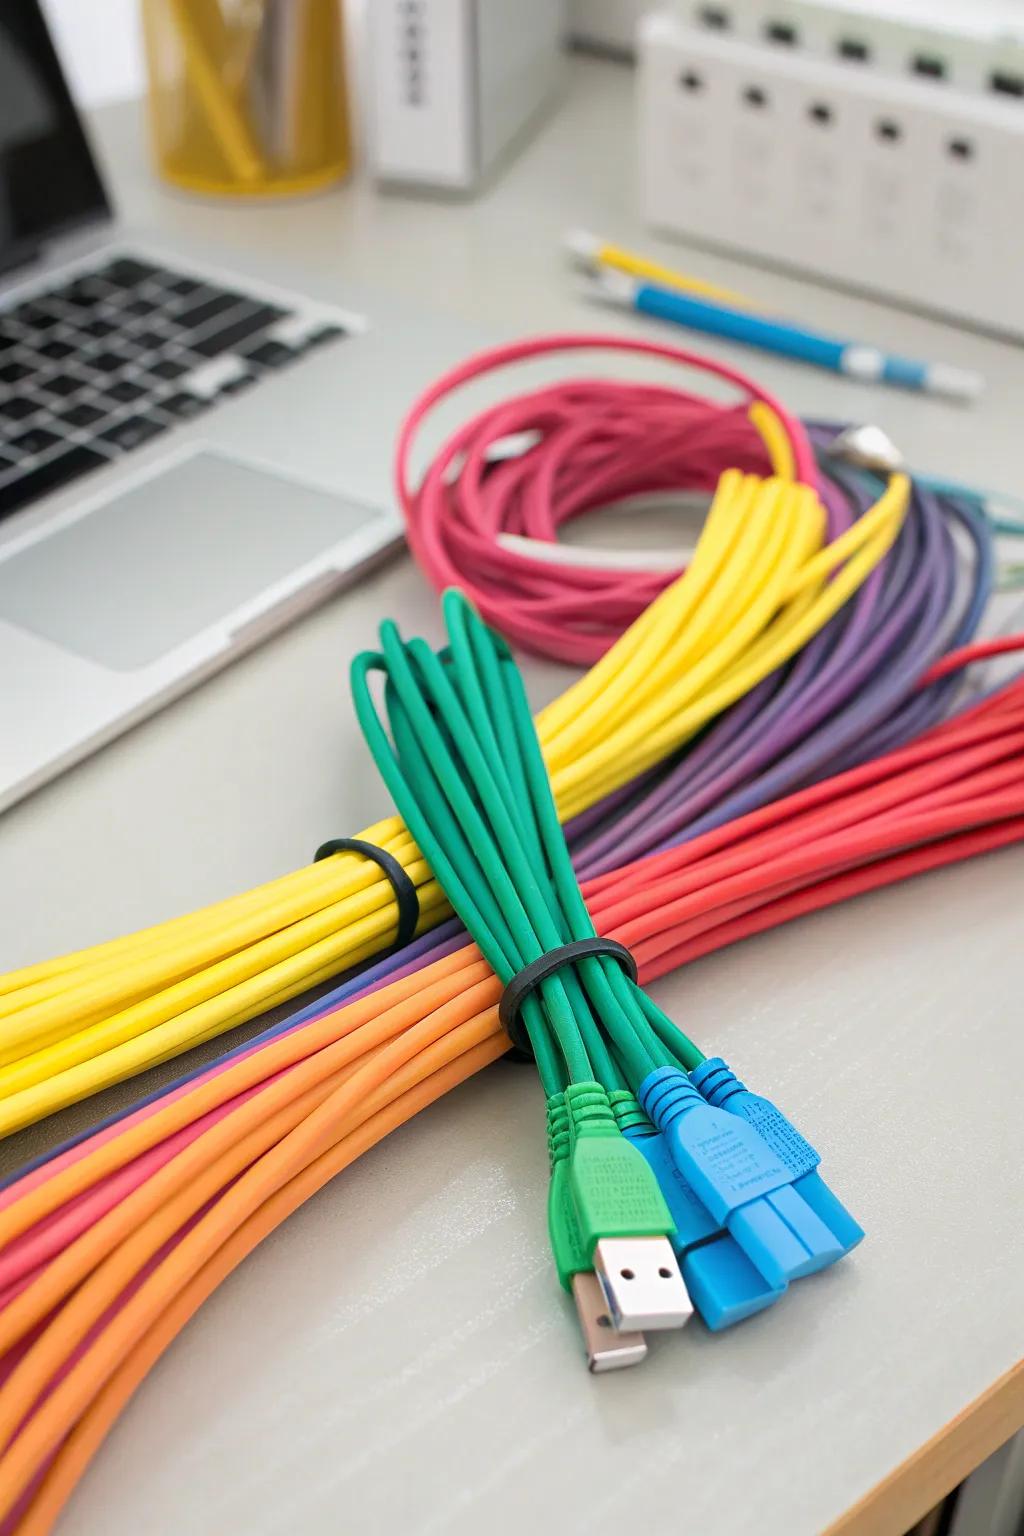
<point x="406" y="897"/>
<point x="539" y="970"/>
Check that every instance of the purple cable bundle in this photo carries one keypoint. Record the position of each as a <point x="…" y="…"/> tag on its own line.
<point x="850" y="694"/>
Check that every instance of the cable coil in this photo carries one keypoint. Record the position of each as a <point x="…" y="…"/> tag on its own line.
<point x="592" y="442"/>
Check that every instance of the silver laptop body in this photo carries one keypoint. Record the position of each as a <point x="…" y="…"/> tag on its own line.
<point x="123" y="586"/>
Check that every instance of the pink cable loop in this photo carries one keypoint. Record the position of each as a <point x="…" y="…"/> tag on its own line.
<point x="599" y="441"/>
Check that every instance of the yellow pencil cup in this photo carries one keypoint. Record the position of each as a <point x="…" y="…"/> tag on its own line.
<point x="247" y="97"/>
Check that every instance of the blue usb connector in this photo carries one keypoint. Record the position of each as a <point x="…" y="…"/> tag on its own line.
<point x="741" y="1180"/>
<point x="720" y="1086"/>
<point x="723" y="1284"/>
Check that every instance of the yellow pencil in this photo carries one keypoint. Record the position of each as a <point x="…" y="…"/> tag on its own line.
<point x="592" y="252"/>
<point x="222" y="116"/>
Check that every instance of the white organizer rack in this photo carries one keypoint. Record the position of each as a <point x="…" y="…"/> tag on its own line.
<point x="871" y="179"/>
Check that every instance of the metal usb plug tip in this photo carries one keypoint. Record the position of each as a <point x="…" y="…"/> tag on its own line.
<point x="607" y="1349"/>
<point x="642" y="1284"/>
<point x="868" y="447"/>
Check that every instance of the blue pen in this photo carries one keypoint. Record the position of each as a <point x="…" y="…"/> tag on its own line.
<point x="779" y="336"/>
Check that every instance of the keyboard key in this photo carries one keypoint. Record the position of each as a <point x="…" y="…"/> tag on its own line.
<point x="90" y="286"/>
<point x="80" y="295"/>
<point x="126" y="272"/>
<point x="124" y="390"/>
<point x="229" y="336"/>
<point x="167" y="368"/>
<point x="35" y="317"/>
<point x="324" y="334"/>
<point x="35" y="440"/>
<point x="204" y="342"/>
<point x="208" y="309"/>
<point x="98" y="329"/>
<point x="145" y="341"/>
<point x="183" y="405"/>
<point x="63" y="385"/>
<point x="210" y="378"/>
<point x="56" y="350"/>
<point x="235" y="386"/>
<point x="82" y="415"/>
<point x="106" y="362"/>
<point x="17" y="408"/>
<point x="272" y="354"/>
<point x="48" y="477"/>
<point x="132" y="431"/>
<point x="140" y="307"/>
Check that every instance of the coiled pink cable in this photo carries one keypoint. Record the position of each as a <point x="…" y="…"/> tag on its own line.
<point x="598" y="442"/>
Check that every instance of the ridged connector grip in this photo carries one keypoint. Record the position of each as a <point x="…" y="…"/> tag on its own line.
<point x="559" y="1137"/>
<point x="667" y="1094"/>
<point x="716" y="1081"/>
<point x="723" y="1089"/>
<point x="589" y="1111"/>
<point x="628" y="1114"/>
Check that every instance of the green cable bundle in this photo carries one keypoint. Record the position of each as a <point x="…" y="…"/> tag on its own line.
<point x="465" y="770"/>
<point x="466" y="766"/>
<point x="635" y="1191"/>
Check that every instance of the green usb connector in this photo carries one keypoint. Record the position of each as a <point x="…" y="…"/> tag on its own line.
<point x="608" y="1349"/>
<point x="624" y="1223"/>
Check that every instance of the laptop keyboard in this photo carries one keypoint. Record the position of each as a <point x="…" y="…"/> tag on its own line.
<point x="106" y="362"/>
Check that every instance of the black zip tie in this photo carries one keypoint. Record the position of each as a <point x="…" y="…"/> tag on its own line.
<point x="406" y="897"/>
<point x="539" y="970"/>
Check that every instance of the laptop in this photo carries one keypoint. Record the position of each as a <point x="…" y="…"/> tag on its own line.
<point x="190" y="457"/>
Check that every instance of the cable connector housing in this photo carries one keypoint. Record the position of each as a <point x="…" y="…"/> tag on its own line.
<point x="624" y="1222"/>
<point x="743" y="1183"/>
<point x="607" y="1348"/>
<point x="724" y="1286"/>
<point x="720" y="1086"/>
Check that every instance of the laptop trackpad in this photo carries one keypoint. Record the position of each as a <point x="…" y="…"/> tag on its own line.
<point x="169" y="557"/>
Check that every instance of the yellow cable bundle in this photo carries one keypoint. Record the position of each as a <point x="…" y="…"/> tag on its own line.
<point x="760" y="585"/>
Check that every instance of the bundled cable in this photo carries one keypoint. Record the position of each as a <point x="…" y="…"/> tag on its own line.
<point x="78" y="1023"/>
<point x="854" y="691"/>
<point x="108" y="1247"/>
<point x="637" y="1156"/>
<point x="762" y="583"/>
<point x="943" y="755"/>
<point x="831" y="677"/>
<point x="810" y="655"/>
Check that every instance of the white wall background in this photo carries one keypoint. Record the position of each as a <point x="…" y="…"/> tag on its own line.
<point x="100" y="44"/>
<point x="100" y="41"/>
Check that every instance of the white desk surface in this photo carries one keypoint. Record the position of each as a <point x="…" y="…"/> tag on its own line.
<point x="398" y="1357"/>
